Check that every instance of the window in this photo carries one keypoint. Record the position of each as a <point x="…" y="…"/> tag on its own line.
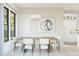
<point x="6" y="24"/>
<point x="12" y="24"/>
<point x="9" y="24"/>
<point x="71" y="22"/>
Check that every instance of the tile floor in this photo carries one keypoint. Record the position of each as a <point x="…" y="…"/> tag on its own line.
<point x="66" y="50"/>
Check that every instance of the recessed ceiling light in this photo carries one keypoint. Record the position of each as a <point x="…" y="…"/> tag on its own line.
<point x="67" y="8"/>
<point x="35" y="17"/>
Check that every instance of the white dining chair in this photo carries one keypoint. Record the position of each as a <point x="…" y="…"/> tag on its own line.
<point x="18" y="43"/>
<point x="28" y="43"/>
<point x="44" y="44"/>
<point x="54" y="44"/>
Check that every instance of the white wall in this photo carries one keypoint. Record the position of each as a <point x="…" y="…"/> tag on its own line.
<point x="1" y="29"/>
<point x="24" y="27"/>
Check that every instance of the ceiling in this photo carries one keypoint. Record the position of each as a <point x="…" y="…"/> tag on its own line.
<point x="48" y="5"/>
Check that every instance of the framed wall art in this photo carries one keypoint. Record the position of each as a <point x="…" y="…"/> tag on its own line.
<point x="47" y="24"/>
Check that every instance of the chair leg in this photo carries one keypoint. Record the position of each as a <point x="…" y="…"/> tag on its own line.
<point x="32" y="52"/>
<point x="33" y="46"/>
<point x="59" y="46"/>
<point x="14" y="49"/>
<point x="23" y="51"/>
<point x="39" y="50"/>
<point x="50" y="49"/>
<point x="48" y="52"/>
<point x="59" y="49"/>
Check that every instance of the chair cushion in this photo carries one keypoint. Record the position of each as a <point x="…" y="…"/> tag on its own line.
<point x="28" y="47"/>
<point x="54" y="45"/>
<point x="18" y="44"/>
<point x="28" y="41"/>
<point x="44" y="41"/>
<point x="44" y="47"/>
<point x="53" y="41"/>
